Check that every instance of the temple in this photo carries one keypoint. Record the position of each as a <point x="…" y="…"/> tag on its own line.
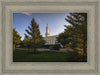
<point x="50" y="40"/>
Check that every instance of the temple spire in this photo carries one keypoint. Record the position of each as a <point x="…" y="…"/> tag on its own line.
<point x="47" y="31"/>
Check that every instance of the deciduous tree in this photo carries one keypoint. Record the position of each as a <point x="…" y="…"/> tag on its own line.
<point x="16" y="38"/>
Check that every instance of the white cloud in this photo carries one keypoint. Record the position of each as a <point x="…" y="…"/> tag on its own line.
<point x="28" y="14"/>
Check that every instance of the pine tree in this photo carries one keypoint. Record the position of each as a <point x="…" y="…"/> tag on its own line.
<point x="79" y="22"/>
<point x="33" y="32"/>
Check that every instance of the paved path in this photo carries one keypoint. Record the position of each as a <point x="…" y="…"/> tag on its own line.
<point x="42" y="50"/>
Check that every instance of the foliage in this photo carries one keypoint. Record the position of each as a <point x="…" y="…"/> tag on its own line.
<point x="16" y="38"/>
<point x="67" y="38"/>
<point x="34" y="38"/>
<point x="56" y="46"/>
<point x="75" y="35"/>
<point x="51" y="47"/>
<point x="27" y="43"/>
<point x="79" y="22"/>
<point x="47" y="46"/>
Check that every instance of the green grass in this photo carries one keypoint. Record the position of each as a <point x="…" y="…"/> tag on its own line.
<point x="43" y="56"/>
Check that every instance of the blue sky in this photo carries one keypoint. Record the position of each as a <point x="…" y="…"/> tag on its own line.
<point x="55" y="21"/>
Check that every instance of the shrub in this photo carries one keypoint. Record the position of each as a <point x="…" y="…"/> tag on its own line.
<point x="47" y="46"/>
<point x="50" y="47"/>
<point x="56" y="47"/>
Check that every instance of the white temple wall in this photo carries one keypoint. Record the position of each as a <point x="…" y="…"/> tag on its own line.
<point x="51" y="40"/>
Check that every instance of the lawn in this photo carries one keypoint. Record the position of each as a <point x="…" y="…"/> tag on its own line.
<point x="43" y="56"/>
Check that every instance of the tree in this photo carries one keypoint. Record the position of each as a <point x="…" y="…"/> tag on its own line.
<point x="79" y="22"/>
<point x="75" y="35"/>
<point x="67" y="37"/>
<point x="26" y="42"/>
<point x="16" y="38"/>
<point x="34" y="35"/>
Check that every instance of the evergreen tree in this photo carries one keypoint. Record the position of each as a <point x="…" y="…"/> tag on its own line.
<point x="67" y="38"/>
<point x="16" y="38"/>
<point x="79" y="22"/>
<point x="34" y="35"/>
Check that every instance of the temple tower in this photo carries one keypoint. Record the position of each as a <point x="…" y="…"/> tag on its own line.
<point x="47" y="31"/>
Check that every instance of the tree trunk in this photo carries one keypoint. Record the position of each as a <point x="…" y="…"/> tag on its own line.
<point x="34" y="46"/>
<point x="13" y="47"/>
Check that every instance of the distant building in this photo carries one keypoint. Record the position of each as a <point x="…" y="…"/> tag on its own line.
<point x="50" y="40"/>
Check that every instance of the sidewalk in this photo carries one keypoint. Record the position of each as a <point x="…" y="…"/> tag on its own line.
<point x="43" y="50"/>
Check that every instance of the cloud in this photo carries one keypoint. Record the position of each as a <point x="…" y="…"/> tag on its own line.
<point x="28" y="14"/>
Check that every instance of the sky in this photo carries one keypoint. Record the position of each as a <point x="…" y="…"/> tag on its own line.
<point x="55" y="21"/>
